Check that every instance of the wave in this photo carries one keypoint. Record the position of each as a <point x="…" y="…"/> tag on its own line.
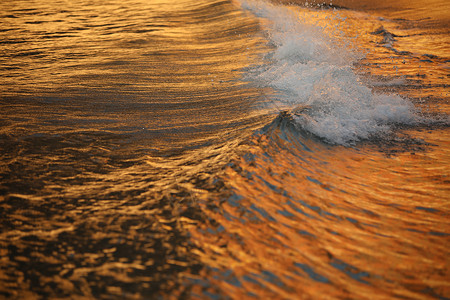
<point x="313" y="75"/>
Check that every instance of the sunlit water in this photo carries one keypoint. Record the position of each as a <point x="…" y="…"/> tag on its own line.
<point x="224" y="149"/>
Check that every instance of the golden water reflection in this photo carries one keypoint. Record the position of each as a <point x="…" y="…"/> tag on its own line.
<point x="129" y="168"/>
<point x="333" y="222"/>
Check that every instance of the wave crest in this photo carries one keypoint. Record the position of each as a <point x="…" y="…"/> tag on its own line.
<point x="309" y="68"/>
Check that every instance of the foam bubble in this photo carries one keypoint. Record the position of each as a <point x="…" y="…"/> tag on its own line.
<point x="313" y="74"/>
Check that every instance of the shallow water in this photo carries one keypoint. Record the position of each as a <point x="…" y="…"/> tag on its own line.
<point x="224" y="149"/>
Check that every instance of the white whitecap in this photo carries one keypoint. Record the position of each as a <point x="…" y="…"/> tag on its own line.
<point x="311" y="70"/>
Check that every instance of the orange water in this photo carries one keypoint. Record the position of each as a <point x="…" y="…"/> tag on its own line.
<point x="137" y="160"/>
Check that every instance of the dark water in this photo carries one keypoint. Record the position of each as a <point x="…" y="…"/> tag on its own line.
<point x="223" y="149"/>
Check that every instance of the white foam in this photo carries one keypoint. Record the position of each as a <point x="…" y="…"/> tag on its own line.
<point x="313" y="73"/>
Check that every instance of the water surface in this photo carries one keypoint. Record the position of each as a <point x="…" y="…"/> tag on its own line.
<point x="224" y="149"/>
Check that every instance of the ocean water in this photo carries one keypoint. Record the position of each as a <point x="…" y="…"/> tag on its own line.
<point x="224" y="149"/>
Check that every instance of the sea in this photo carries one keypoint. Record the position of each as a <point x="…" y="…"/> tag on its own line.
<point x="224" y="149"/>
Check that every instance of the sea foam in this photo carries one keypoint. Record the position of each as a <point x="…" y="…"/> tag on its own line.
<point x="313" y="74"/>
